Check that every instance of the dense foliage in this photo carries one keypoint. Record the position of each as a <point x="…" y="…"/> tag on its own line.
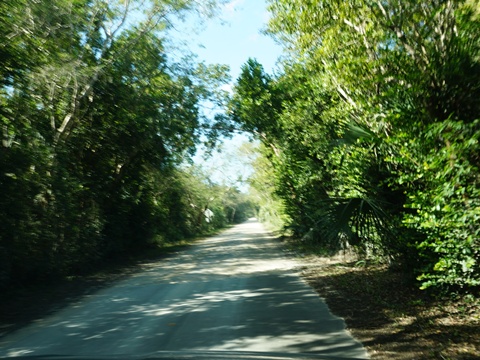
<point x="372" y="132"/>
<point x="96" y="122"/>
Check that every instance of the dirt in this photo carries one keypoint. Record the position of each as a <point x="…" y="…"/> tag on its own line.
<point x="387" y="312"/>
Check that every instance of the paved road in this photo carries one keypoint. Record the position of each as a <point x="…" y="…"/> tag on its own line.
<point x="234" y="291"/>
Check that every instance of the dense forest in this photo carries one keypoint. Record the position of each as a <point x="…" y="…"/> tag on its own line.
<point x="97" y="124"/>
<point x="370" y="132"/>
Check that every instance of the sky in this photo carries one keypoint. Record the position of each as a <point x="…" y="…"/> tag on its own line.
<point x="231" y="39"/>
<point x="239" y="37"/>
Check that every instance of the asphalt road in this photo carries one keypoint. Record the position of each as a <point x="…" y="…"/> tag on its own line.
<point x="234" y="291"/>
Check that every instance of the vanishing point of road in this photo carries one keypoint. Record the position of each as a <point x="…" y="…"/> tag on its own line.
<point x="237" y="291"/>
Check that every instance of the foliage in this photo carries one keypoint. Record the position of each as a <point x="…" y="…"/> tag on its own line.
<point x="269" y="207"/>
<point x="95" y="122"/>
<point x="371" y="129"/>
<point x="446" y="204"/>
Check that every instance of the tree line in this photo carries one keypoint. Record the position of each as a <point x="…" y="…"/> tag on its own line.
<point x="370" y="131"/>
<point x="97" y="122"/>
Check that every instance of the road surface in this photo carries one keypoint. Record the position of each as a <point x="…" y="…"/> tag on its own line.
<point x="234" y="291"/>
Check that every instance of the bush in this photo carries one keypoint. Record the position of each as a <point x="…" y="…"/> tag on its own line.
<point x="445" y="196"/>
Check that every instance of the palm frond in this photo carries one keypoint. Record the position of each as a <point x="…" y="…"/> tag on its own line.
<point x="357" y="221"/>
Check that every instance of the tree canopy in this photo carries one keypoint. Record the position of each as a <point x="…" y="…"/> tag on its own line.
<point x="371" y="130"/>
<point x="96" y="122"/>
<point x="369" y="134"/>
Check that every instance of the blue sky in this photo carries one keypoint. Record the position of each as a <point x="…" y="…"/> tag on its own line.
<point x="231" y="39"/>
<point x="240" y="37"/>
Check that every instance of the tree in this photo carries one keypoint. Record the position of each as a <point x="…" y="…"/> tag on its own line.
<point x="373" y="112"/>
<point x="94" y="114"/>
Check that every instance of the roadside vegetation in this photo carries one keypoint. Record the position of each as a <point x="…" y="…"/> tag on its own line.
<point x="369" y="133"/>
<point x="370" y="163"/>
<point x="369" y="142"/>
<point x="98" y="123"/>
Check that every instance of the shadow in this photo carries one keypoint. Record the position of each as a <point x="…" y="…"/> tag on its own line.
<point x="233" y="292"/>
<point x="389" y="313"/>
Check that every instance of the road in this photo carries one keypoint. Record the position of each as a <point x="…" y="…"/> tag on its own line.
<point x="234" y="291"/>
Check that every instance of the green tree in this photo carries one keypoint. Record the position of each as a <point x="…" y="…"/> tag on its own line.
<point x="374" y="113"/>
<point x="93" y="115"/>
